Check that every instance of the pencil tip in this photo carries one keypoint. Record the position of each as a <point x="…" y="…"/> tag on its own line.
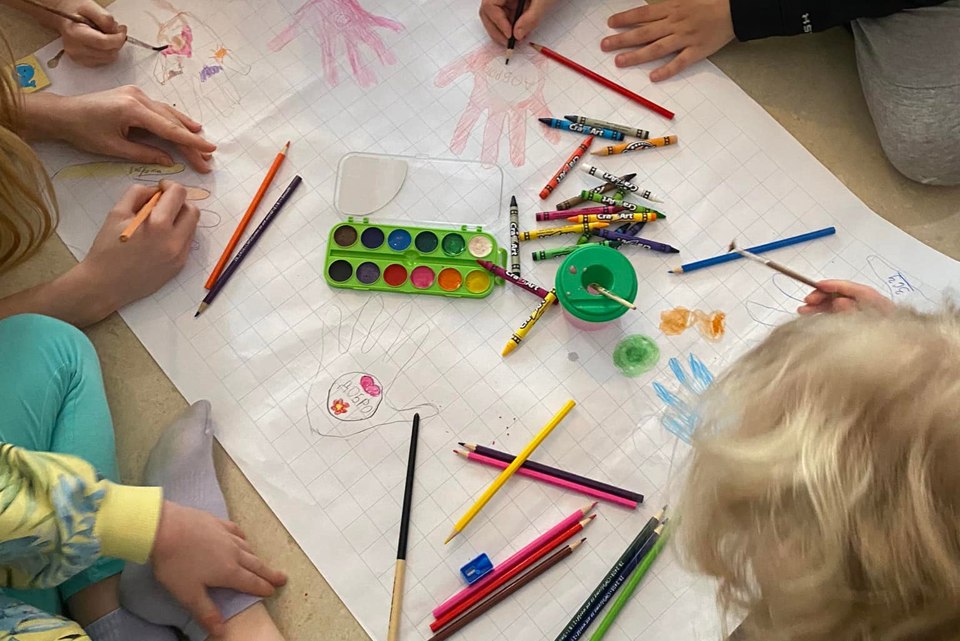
<point x="451" y="537"/>
<point x="286" y="147"/>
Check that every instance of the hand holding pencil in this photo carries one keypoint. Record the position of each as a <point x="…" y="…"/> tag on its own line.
<point x="497" y="16"/>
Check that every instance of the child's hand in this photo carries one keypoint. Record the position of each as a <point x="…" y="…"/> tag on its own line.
<point x="694" y="28"/>
<point x="832" y="296"/>
<point x="195" y="550"/>
<point x="497" y="15"/>
<point x="85" y="45"/>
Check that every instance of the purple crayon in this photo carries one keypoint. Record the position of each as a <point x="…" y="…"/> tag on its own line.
<point x="636" y="240"/>
<point x="516" y="280"/>
<point x="563" y="214"/>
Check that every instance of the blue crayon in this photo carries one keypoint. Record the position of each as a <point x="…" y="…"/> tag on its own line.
<point x="586" y="130"/>
<point x="636" y="240"/>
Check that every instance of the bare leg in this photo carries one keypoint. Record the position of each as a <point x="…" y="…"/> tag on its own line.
<point x="95" y="601"/>
<point x="253" y="624"/>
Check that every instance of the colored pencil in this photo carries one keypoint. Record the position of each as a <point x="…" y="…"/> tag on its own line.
<point x="489" y="452"/>
<point x="637" y="145"/>
<point x="516" y="280"/>
<point x="247" y="246"/>
<point x="242" y="226"/>
<point x="615" y="202"/>
<point x="646" y="194"/>
<point x="512" y="41"/>
<point x="471" y="615"/>
<point x="629" y="587"/>
<point x="609" y="84"/>
<point x="599" y="189"/>
<point x="513" y="560"/>
<point x="566" y="167"/>
<point x="635" y="546"/>
<point x="397" y="600"/>
<point x="631" y="217"/>
<point x="507" y="473"/>
<point x="506" y="577"/>
<point x="566" y="214"/>
<point x="514" y="235"/>
<point x="642" y="134"/>
<point x="603" y="291"/>
<point x="141" y="216"/>
<point x="77" y="18"/>
<point x="636" y="240"/>
<point x="783" y="269"/>
<point x="545" y="232"/>
<point x="759" y="249"/>
<point x="586" y="130"/>
<point x="549" y="479"/>
<point x="517" y="337"/>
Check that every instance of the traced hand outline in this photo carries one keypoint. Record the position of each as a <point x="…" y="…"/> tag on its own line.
<point x="342" y="22"/>
<point x="361" y="358"/>
<point x="511" y="95"/>
<point x="680" y="417"/>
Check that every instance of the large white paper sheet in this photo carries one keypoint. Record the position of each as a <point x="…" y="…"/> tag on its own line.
<point x="420" y="78"/>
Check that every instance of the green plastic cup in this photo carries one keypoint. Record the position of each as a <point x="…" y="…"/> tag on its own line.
<point x="595" y="264"/>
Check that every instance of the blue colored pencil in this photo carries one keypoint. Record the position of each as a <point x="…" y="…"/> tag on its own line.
<point x="759" y="249"/>
<point x="626" y="239"/>
<point x="586" y="130"/>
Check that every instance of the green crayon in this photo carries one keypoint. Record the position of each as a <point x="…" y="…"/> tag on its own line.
<point x="616" y="202"/>
<point x="546" y="254"/>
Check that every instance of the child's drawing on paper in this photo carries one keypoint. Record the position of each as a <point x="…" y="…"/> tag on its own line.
<point x="511" y="96"/>
<point x="340" y="26"/>
<point x="197" y="65"/>
<point x="674" y="322"/>
<point x="366" y="374"/>
<point x="680" y="414"/>
<point x="117" y="169"/>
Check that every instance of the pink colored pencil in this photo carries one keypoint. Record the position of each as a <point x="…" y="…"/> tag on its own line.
<point x="585" y="211"/>
<point x="552" y="480"/>
<point x="513" y="561"/>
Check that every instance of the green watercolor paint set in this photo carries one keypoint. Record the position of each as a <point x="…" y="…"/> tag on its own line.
<point x="413" y="260"/>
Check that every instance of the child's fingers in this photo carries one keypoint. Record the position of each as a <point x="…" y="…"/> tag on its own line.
<point x="659" y="49"/>
<point x="680" y="62"/>
<point x="494" y="17"/>
<point x="646" y="13"/>
<point x="642" y="35"/>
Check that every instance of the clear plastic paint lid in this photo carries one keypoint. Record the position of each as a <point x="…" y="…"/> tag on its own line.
<point x="419" y="189"/>
<point x="595" y="264"/>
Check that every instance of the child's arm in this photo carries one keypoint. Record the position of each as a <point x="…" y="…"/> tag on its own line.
<point x="85" y="45"/>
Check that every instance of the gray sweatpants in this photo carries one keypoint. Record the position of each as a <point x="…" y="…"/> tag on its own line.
<point x="909" y="66"/>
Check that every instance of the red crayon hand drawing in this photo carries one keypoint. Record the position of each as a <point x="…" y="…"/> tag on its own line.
<point x="511" y="95"/>
<point x="340" y="24"/>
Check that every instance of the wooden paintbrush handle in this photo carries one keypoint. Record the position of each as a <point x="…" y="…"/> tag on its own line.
<point x="393" y="632"/>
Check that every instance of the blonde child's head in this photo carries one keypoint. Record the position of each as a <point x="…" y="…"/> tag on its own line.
<point x="824" y="489"/>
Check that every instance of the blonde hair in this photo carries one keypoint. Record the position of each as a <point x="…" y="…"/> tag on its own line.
<point x="824" y="487"/>
<point x="28" y="209"/>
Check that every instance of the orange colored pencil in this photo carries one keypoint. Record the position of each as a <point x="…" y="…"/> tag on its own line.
<point x="238" y="232"/>
<point x="140" y="217"/>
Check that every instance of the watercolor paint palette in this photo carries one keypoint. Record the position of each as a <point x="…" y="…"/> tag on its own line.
<point x="412" y="260"/>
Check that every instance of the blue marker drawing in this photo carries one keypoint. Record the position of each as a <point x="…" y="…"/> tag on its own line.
<point x="25" y="74"/>
<point x="680" y="416"/>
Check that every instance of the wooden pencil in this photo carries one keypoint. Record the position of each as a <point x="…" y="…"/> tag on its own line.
<point x="483" y="450"/>
<point x="141" y="216"/>
<point x="238" y="232"/>
<point x="397" y="600"/>
<point x="472" y="614"/>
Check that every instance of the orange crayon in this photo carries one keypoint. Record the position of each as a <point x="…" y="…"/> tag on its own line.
<point x="636" y="145"/>
<point x="567" y="167"/>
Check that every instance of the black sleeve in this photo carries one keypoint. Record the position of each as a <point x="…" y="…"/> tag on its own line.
<point x="753" y="19"/>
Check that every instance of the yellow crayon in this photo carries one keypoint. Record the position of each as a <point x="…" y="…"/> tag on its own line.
<point x="582" y="228"/>
<point x="622" y="217"/>
<point x="636" y="145"/>
<point x="521" y="333"/>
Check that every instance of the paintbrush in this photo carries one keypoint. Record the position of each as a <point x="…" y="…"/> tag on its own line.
<point x="603" y="291"/>
<point x="786" y="271"/>
<point x="72" y="17"/>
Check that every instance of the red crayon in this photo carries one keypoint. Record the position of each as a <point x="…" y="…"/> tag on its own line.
<point x="567" y="167"/>
<point x="565" y="214"/>
<point x="620" y="89"/>
<point x="516" y="280"/>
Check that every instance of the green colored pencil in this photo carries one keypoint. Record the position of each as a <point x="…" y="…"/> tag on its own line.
<point x="629" y="588"/>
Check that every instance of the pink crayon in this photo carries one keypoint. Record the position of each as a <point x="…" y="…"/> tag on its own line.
<point x="512" y="562"/>
<point x="513" y="278"/>
<point x="586" y="211"/>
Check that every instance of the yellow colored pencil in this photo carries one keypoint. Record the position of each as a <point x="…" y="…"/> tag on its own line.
<point x="521" y="333"/>
<point x="508" y="472"/>
<point x="622" y="217"/>
<point x="636" y="145"/>
<point x="582" y="228"/>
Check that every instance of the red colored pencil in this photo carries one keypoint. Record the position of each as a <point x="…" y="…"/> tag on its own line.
<point x="508" y="576"/>
<point x="609" y="84"/>
<point x="566" y="167"/>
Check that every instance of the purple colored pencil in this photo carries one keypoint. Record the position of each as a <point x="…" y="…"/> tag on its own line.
<point x="636" y="240"/>
<point x="516" y="280"/>
<point x="563" y="214"/>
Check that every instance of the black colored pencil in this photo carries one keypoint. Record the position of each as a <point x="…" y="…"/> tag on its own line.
<point x="247" y="246"/>
<point x="513" y="40"/>
<point x="394" y="628"/>
<point x="473" y="613"/>
<point x="552" y="471"/>
<point x="608" y="580"/>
